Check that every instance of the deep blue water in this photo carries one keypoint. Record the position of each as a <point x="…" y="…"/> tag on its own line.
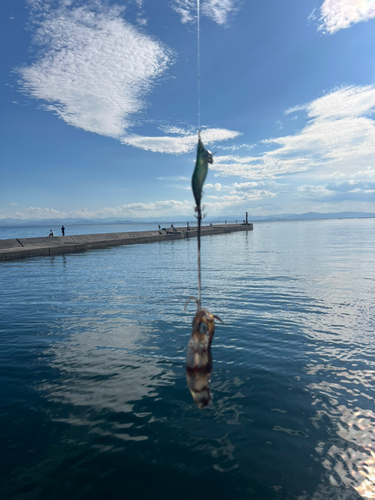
<point x="94" y="402"/>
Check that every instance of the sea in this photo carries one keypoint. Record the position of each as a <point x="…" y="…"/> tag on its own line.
<point x="94" y="402"/>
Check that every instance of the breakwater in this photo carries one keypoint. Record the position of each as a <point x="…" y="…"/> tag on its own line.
<point x="57" y="245"/>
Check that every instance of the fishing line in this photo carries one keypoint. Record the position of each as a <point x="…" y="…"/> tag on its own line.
<point x="199" y="357"/>
<point x="199" y="69"/>
<point x="199" y="137"/>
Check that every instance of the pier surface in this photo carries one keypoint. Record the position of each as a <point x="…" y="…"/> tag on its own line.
<point x="57" y="245"/>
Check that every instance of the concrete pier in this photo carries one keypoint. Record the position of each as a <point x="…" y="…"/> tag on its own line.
<point x="57" y="245"/>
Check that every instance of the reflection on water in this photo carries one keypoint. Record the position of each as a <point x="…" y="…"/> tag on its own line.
<point x="94" y="396"/>
<point x="348" y="456"/>
<point x="99" y="368"/>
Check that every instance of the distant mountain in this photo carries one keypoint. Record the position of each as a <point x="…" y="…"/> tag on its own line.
<point x="314" y="215"/>
<point x="184" y="219"/>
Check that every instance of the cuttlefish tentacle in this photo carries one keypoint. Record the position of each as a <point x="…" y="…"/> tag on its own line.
<point x="189" y="299"/>
<point x="199" y="357"/>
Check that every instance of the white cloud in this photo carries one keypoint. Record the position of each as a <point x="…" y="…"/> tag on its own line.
<point x="214" y="203"/>
<point x="341" y="14"/>
<point x="40" y="213"/>
<point x="216" y="10"/>
<point x="94" y="69"/>
<point x="338" y="137"/>
<point x="240" y="194"/>
<point x="235" y="200"/>
<point x="157" y="208"/>
<point x="217" y="186"/>
<point x="142" y="21"/>
<point x="256" y="167"/>
<point x="344" y="102"/>
<point x="369" y="173"/>
<point x="279" y="124"/>
<point x="236" y="147"/>
<point x="171" y="129"/>
<point x="219" y="10"/>
<point x="244" y="186"/>
<point x="187" y="9"/>
<point x="351" y="190"/>
<point x="174" y="178"/>
<point x="179" y="144"/>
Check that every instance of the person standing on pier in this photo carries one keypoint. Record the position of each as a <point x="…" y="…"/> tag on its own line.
<point x="63" y="230"/>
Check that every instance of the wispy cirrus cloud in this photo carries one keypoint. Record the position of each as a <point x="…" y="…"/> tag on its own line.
<point x="216" y="10"/>
<point x="40" y="213"/>
<point x="174" y="178"/>
<point x="217" y="204"/>
<point x="172" y="129"/>
<point x="93" y="68"/>
<point x="340" y="191"/>
<point x="341" y="14"/>
<point x="217" y="186"/>
<point x="219" y="10"/>
<point x="157" y="208"/>
<point x="234" y="195"/>
<point x="339" y="136"/>
<point x="178" y="144"/>
<point x="237" y="147"/>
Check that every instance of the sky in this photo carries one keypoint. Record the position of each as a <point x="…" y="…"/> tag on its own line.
<point x="99" y="107"/>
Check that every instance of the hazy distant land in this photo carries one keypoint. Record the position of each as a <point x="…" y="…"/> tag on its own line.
<point x="183" y="219"/>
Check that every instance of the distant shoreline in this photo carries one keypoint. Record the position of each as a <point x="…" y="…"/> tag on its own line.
<point x="8" y="222"/>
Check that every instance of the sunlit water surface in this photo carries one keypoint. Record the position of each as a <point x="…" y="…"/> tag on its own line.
<point x="94" y="402"/>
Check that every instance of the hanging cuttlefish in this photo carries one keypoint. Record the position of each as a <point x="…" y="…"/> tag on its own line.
<point x="199" y="358"/>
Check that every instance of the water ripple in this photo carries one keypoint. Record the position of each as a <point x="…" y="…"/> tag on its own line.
<point x="94" y="400"/>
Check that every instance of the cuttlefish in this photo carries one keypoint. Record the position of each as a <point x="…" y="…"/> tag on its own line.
<point x="199" y="357"/>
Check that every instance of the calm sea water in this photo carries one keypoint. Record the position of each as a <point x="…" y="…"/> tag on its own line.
<point x="94" y="402"/>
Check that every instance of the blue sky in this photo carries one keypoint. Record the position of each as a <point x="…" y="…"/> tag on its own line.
<point x="99" y="106"/>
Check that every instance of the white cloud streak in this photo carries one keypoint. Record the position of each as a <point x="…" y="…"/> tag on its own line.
<point x="341" y="14"/>
<point x="174" y="178"/>
<point x="233" y="195"/>
<point x="185" y="143"/>
<point x="340" y="191"/>
<point x="39" y="213"/>
<point x="216" y="10"/>
<point x="219" y="10"/>
<point x="224" y="202"/>
<point x="338" y="137"/>
<point x="94" y="69"/>
<point x="158" y="208"/>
